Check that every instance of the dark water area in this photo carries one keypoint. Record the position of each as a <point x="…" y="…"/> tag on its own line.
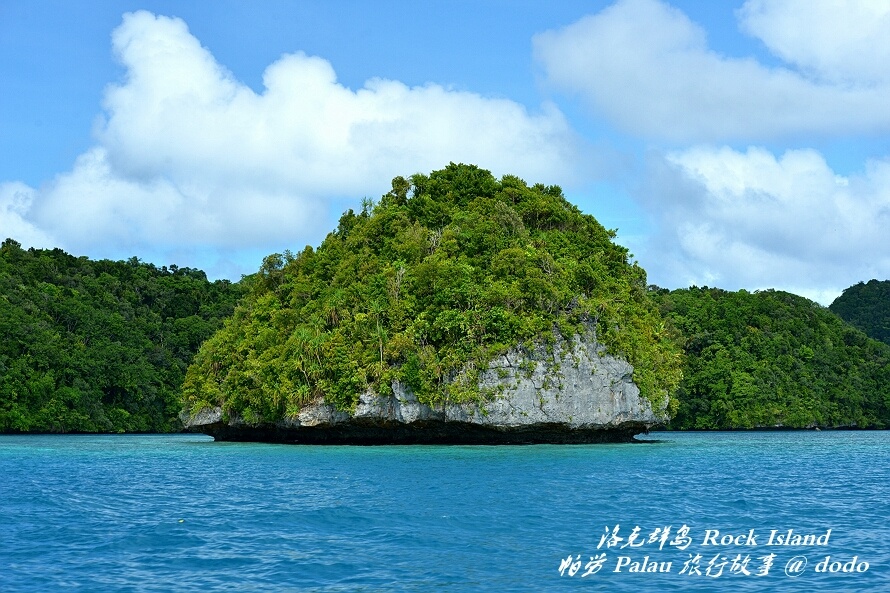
<point x="185" y="513"/>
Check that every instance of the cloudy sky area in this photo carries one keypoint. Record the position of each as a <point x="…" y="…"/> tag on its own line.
<point x="732" y="144"/>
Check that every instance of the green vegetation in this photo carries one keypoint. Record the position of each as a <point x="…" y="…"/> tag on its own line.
<point x="773" y="359"/>
<point x="426" y="287"/>
<point x="867" y="306"/>
<point x="99" y="346"/>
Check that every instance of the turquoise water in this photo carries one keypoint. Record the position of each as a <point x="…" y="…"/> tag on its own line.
<point x="184" y="513"/>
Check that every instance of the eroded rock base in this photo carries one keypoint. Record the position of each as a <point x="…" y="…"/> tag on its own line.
<point x="421" y="433"/>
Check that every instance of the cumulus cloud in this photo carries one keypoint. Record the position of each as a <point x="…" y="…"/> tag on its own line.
<point x="837" y="41"/>
<point x="744" y="218"/>
<point x="647" y="67"/>
<point x="753" y="220"/>
<point x="15" y="202"/>
<point x="189" y="157"/>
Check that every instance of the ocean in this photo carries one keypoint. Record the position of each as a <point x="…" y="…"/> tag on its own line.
<point x="734" y="511"/>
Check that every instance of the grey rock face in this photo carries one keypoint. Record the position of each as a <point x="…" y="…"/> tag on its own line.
<point x="571" y="393"/>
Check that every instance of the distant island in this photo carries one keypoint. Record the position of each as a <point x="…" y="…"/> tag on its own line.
<point x="867" y="307"/>
<point x="772" y="359"/>
<point x="99" y="346"/>
<point x="457" y="308"/>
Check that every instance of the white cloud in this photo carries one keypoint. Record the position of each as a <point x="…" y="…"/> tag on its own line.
<point x="648" y="69"/>
<point x="842" y="41"/>
<point x="15" y="202"/>
<point x="188" y="157"/>
<point x="751" y="220"/>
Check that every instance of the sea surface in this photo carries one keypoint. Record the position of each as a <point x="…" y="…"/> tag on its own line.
<point x="173" y="513"/>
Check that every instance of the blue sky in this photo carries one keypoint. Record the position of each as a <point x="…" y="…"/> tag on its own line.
<point x="734" y="144"/>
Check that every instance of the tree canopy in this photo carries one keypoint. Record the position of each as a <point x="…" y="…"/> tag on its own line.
<point x="99" y="346"/>
<point x="867" y="306"/>
<point x="425" y="287"/>
<point x="771" y="358"/>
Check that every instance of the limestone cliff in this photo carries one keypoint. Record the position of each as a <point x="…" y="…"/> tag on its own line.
<point x="567" y="393"/>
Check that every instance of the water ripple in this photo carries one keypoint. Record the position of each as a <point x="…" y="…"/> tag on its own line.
<point x="182" y="513"/>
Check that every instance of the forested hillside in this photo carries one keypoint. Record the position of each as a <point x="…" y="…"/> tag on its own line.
<point x="867" y="306"/>
<point x="771" y="358"/>
<point x="99" y="346"/>
<point x="426" y="287"/>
